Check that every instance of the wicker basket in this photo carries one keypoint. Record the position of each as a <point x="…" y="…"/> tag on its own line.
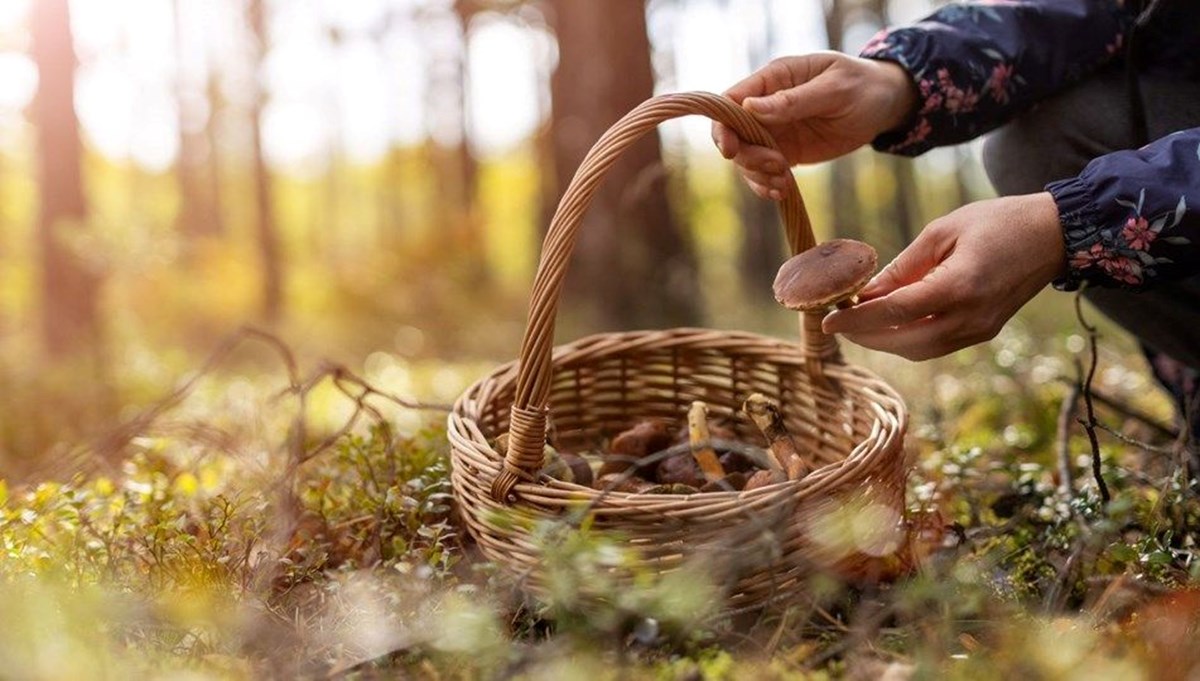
<point x="851" y="421"/>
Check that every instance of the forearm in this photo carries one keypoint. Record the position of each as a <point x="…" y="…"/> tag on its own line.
<point x="977" y="65"/>
<point x="1128" y="218"/>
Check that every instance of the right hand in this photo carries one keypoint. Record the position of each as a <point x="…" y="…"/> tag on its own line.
<point x="817" y="107"/>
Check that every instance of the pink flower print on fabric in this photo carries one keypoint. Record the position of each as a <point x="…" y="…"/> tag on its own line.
<point x="1138" y="234"/>
<point x="1000" y="81"/>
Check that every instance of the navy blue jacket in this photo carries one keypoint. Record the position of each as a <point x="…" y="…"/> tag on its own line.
<point x="1131" y="217"/>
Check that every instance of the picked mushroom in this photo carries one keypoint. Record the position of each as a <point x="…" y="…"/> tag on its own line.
<point x="699" y="439"/>
<point x="766" y="415"/>
<point x="734" y="482"/>
<point x="680" y="469"/>
<point x="619" y="482"/>
<point x="568" y="467"/>
<point x="630" y="446"/>
<point x="565" y="466"/>
<point x="831" y="273"/>
<point x="684" y="469"/>
<point x="763" y="478"/>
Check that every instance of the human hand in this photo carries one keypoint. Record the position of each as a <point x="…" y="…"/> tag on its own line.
<point x="817" y="107"/>
<point x="960" y="280"/>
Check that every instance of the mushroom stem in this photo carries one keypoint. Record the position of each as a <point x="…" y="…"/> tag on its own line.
<point x="765" y="414"/>
<point x="698" y="438"/>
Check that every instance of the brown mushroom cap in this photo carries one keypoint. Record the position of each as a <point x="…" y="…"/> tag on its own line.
<point x="825" y="274"/>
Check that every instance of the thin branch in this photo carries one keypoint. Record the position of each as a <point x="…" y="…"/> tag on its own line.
<point x="1089" y="424"/>
<point x="1164" y="430"/>
<point x="1169" y="451"/>
<point x="1066" y="416"/>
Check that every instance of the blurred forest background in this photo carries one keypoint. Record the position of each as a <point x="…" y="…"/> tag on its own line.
<point x="371" y="179"/>
<point x="366" y="183"/>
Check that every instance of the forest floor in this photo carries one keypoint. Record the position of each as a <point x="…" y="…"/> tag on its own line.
<point x="225" y="532"/>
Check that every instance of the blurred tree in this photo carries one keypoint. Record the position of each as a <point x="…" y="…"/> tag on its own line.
<point x="266" y="229"/>
<point x="69" y="288"/>
<point x="212" y="139"/>
<point x="199" y="212"/>
<point x="633" y="259"/>
<point x="449" y="152"/>
<point x="904" y="209"/>
<point x="762" y="246"/>
<point x="843" y="191"/>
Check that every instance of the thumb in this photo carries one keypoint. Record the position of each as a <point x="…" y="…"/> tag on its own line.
<point x="806" y="100"/>
<point x="913" y="263"/>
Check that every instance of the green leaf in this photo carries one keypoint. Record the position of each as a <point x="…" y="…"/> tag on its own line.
<point x="1123" y="553"/>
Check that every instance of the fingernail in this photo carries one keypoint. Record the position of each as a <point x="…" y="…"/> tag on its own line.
<point x="776" y="194"/>
<point x="871" y="288"/>
<point x="829" y="323"/>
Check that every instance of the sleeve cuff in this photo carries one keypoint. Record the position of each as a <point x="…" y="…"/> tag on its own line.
<point x="911" y="139"/>
<point x="1090" y="258"/>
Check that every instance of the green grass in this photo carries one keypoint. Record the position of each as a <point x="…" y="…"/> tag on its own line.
<point x="228" y="541"/>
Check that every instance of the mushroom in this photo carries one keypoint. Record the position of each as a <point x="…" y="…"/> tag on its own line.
<point x="619" y="482"/>
<point x="680" y="469"/>
<point x="763" y="478"/>
<point x="765" y="414"/>
<point x="698" y="438"/>
<point x="735" y="481"/>
<point x="828" y="274"/>
<point x="565" y="466"/>
<point x="568" y="467"/>
<point x="630" y="446"/>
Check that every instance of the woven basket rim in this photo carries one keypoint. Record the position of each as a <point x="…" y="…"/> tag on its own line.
<point x="683" y="337"/>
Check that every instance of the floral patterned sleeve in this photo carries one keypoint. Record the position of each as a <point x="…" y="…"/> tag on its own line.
<point x="1127" y="218"/>
<point x="978" y="64"/>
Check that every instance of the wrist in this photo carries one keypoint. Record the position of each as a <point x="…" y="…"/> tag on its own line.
<point x="900" y="94"/>
<point x="1041" y="212"/>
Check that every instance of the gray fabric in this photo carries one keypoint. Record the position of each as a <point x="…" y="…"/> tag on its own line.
<point x="1056" y="139"/>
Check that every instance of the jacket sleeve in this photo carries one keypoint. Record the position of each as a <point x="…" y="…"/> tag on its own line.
<point x="976" y="65"/>
<point x="1129" y="217"/>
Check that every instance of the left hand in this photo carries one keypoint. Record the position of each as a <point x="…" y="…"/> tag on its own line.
<point x="960" y="280"/>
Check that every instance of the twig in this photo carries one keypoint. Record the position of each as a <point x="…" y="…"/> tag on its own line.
<point x="1186" y="444"/>
<point x="1136" y="443"/>
<point x="1066" y="416"/>
<point x="1127" y="411"/>
<point x="1089" y="425"/>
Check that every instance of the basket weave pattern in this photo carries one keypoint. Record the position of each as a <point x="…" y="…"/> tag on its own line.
<point x="849" y="421"/>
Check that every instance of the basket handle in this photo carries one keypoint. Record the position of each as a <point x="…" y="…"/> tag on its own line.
<point x="527" y="423"/>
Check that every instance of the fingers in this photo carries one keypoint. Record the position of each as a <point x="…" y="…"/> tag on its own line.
<point x="761" y="160"/>
<point x="930" y="247"/>
<point x="781" y="74"/>
<point x="903" y="306"/>
<point x="921" y="340"/>
<point x="763" y="190"/>
<point x="765" y="170"/>
<point x="776" y="75"/>
<point x="726" y="140"/>
<point x="789" y="106"/>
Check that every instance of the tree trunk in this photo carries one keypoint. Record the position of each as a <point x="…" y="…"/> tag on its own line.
<point x="198" y="216"/>
<point x="212" y="138"/>
<point x="633" y="260"/>
<point x="266" y="230"/>
<point x="69" y="289"/>
<point x="905" y="214"/>
<point x="904" y="204"/>
<point x="843" y="190"/>
<point x="465" y="167"/>
<point x="761" y="251"/>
